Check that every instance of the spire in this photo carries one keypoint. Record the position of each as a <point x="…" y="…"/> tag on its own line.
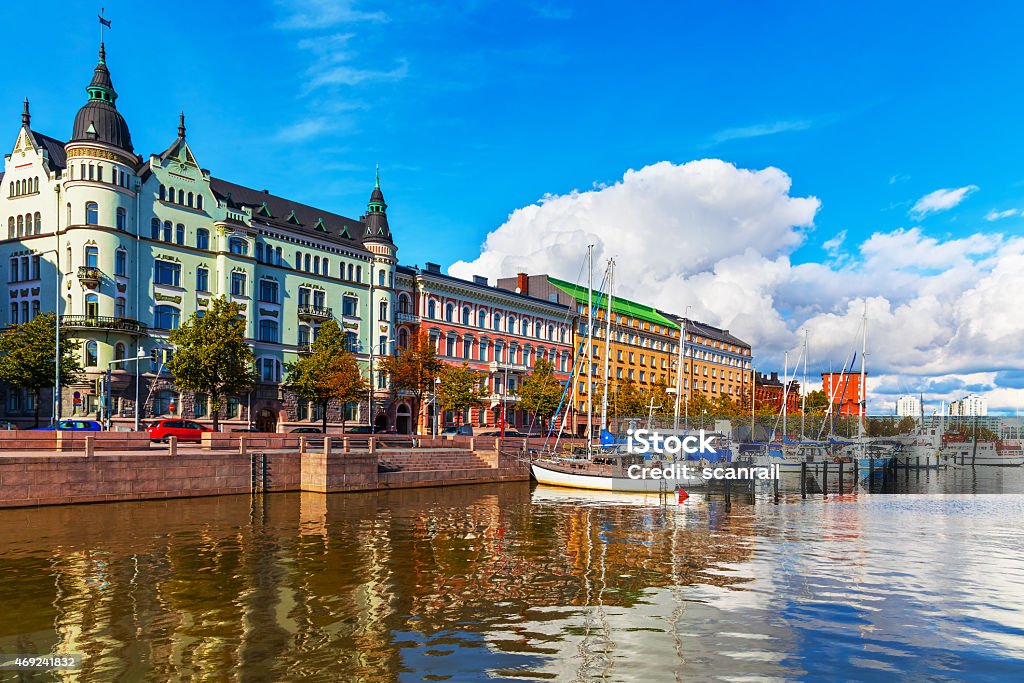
<point x="26" y="118"/>
<point x="376" y="214"/>
<point x="377" y="184"/>
<point x="103" y="54"/>
<point x="101" y="87"/>
<point x="181" y="125"/>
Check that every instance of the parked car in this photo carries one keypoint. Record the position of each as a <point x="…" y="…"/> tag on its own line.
<point x="509" y="433"/>
<point x="307" y="430"/>
<point x="73" y="426"/>
<point x="457" y="430"/>
<point x="184" y="430"/>
<point x="7" y="426"/>
<point x="247" y="429"/>
<point x="360" y="429"/>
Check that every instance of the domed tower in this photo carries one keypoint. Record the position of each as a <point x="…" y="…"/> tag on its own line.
<point x="377" y="240"/>
<point x="98" y="228"/>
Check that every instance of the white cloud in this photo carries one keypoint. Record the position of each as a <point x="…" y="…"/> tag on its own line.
<point x="832" y="246"/>
<point x="940" y="200"/>
<point x="720" y="239"/>
<point x="760" y="130"/>
<point x="320" y="14"/>
<point x="994" y="215"/>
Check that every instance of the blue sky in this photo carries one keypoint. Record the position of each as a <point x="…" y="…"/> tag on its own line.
<point x="477" y="109"/>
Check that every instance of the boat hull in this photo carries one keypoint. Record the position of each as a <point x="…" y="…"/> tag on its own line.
<point x="597" y="482"/>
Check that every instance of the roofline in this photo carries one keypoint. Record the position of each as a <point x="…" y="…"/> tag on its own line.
<point x="409" y="270"/>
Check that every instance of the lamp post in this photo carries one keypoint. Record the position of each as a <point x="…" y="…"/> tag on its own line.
<point x="437" y="387"/>
<point x="54" y="417"/>
<point x="139" y="356"/>
<point x="679" y="369"/>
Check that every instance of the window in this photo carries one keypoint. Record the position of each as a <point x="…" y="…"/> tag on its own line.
<point x="351" y="341"/>
<point x="277" y="256"/>
<point x="120" y="262"/>
<point x="14" y="314"/>
<point x="316" y="264"/>
<point x="238" y="284"/>
<point x="380" y="278"/>
<point x="268" y="331"/>
<point x="349" y="306"/>
<point x="259" y="252"/>
<point x="163" y="193"/>
<point x="166" y="318"/>
<point x="179" y="234"/>
<point x="202" y="279"/>
<point x="199" y="406"/>
<point x="202" y="239"/>
<point x="449" y="313"/>
<point x="119" y="307"/>
<point x="167" y="273"/>
<point x="239" y="246"/>
<point x="325" y="267"/>
<point x="269" y="370"/>
<point x="122" y="219"/>
<point x="154" y="228"/>
<point x="181" y="196"/>
<point x="92" y="213"/>
<point x="188" y="199"/>
<point x="119" y="351"/>
<point x="13" y="275"/>
<point x="466" y="313"/>
<point x="35" y="309"/>
<point x="268" y="291"/>
<point x="298" y="260"/>
<point x="432" y="309"/>
<point x="91" y="354"/>
<point x="359" y="273"/>
<point x="383" y="312"/>
<point x="92" y="257"/>
<point x="199" y="201"/>
<point x="350" y="275"/>
<point x="481" y="318"/>
<point x="167" y="231"/>
<point x="496" y="321"/>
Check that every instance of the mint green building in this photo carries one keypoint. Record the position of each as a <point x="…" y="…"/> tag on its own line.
<point x="126" y="248"/>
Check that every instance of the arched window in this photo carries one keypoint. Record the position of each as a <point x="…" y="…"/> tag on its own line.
<point x="316" y="264"/>
<point x="298" y="260"/>
<point x="119" y="351"/>
<point x="305" y="263"/>
<point x="551" y="332"/>
<point x="202" y="238"/>
<point x="170" y="193"/>
<point x="166" y="317"/>
<point x="403" y="338"/>
<point x="120" y="311"/>
<point x="154" y="228"/>
<point x="432" y="309"/>
<point x="199" y="201"/>
<point x="10" y="227"/>
<point x="380" y="278"/>
<point x="449" y="313"/>
<point x="92" y="306"/>
<point x="359" y="273"/>
<point x="91" y="354"/>
<point x="465" y="316"/>
<point x="181" y="196"/>
<point x="496" y="321"/>
<point x="259" y="252"/>
<point x="10" y="187"/>
<point x="188" y="199"/>
<point x="37" y="226"/>
<point x="536" y="329"/>
<point x="512" y="324"/>
<point x="325" y="267"/>
<point x="481" y="318"/>
<point x="122" y="219"/>
<point x="92" y="257"/>
<point x="179" y="233"/>
<point x="28" y="224"/>
<point x="350" y="273"/>
<point x="237" y="245"/>
<point x="120" y="262"/>
<point x="277" y="256"/>
<point x="167" y="231"/>
<point x="163" y="193"/>
<point x="21" y="226"/>
<point x="383" y="311"/>
<point x="35" y="185"/>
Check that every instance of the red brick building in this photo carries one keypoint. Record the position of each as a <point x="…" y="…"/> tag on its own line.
<point x="498" y="333"/>
<point x="770" y="390"/>
<point x="843" y="390"/>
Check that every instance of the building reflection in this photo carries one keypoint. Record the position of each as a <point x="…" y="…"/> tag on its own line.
<point x="353" y="586"/>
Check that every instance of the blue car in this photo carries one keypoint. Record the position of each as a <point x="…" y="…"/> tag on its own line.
<point x="74" y="426"/>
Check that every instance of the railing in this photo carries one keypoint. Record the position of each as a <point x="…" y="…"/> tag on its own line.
<point x="89" y="274"/>
<point x="317" y="312"/>
<point x="102" y="322"/>
<point x="305" y="348"/>
<point x="497" y="365"/>
<point x="402" y="317"/>
<point x="498" y="398"/>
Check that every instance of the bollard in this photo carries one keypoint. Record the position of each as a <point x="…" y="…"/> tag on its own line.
<point x="824" y="479"/>
<point x="775" y="484"/>
<point x="803" y="480"/>
<point x="172" y="444"/>
<point x="472" y="443"/>
<point x="840" y="477"/>
<point x="89" y="446"/>
<point x="327" y="445"/>
<point x="370" y="444"/>
<point x="345" y="446"/>
<point x="871" y="472"/>
<point x="302" y="444"/>
<point x="241" y="445"/>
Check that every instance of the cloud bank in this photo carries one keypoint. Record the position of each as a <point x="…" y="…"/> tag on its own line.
<point x="722" y="239"/>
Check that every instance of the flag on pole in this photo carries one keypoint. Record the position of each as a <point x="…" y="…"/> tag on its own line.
<point x="105" y="22"/>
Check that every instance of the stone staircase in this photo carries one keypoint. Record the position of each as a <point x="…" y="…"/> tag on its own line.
<point x="428" y="460"/>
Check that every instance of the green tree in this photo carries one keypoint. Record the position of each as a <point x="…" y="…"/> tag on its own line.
<point x="329" y="372"/>
<point x="816" y="402"/>
<point x="459" y="388"/>
<point x="27" y="353"/>
<point x="626" y="401"/>
<point x="211" y="355"/>
<point x="907" y="425"/>
<point x="413" y="369"/>
<point x="541" y="392"/>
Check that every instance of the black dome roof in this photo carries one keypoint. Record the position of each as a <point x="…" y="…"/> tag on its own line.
<point x="102" y="122"/>
<point x="99" y="119"/>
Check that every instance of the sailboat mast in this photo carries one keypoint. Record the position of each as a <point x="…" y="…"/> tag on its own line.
<point x="803" y="392"/>
<point x="589" y="351"/>
<point x="785" y="393"/>
<point x="607" y="343"/>
<point x="679" y="368"/>
<point x="863" y="370"/>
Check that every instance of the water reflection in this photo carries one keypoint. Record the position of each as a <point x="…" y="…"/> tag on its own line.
<point x="445" y="584"/>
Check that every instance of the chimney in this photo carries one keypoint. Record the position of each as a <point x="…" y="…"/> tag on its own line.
<point x="523" y="283"/>
<point x="775" y="377"/>
<point x="480" y="280"/>
<point x="433" y="268"/>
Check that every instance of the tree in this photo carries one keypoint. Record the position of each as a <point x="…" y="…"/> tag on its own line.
<point x="329" y="372"/>
<point x="541" y="392"/>
<point x="211" y="355"/>
<point x="27" y="353"/>
<point x="413" y="369"/>
<point x="907" y="425"/>
<point x="816" y="402"/>
<point x="459" y="388"/>
<point x="627" y="401"/>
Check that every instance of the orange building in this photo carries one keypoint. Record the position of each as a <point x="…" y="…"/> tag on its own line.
<point x="843" y="390"/>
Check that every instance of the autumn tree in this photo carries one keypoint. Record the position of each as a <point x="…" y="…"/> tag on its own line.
<point x="627" y="400"/>
<point x="541" y="392"/>
<point x="27" y="353"/>
<point x="459" y="388"/>
<point x="329" y="372"/>
<point x="413" y="369"/>
<point x="816" y="402"/>
<point x="211" y="355"/>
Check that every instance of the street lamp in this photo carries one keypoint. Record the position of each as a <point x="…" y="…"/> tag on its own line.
<point x="139" y="356"/>
<point x="437" y="388"/>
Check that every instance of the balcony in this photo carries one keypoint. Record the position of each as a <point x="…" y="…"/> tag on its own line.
<point x="304" y="348"/>
<point x="501" y="366"/>
<point x="315" y="313"/>
<point x="102" y="322"/>
<point x="501" y="398"/>
<point x="403" y="317"/>
<point x="89" y="276"/>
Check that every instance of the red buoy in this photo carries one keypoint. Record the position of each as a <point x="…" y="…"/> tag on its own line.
<point x="683" y="495"/>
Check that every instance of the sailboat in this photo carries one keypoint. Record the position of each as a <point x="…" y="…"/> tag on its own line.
<point x="608" y="465"/>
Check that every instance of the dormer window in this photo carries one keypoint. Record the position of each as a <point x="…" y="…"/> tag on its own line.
<point x="239" y="246"/>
